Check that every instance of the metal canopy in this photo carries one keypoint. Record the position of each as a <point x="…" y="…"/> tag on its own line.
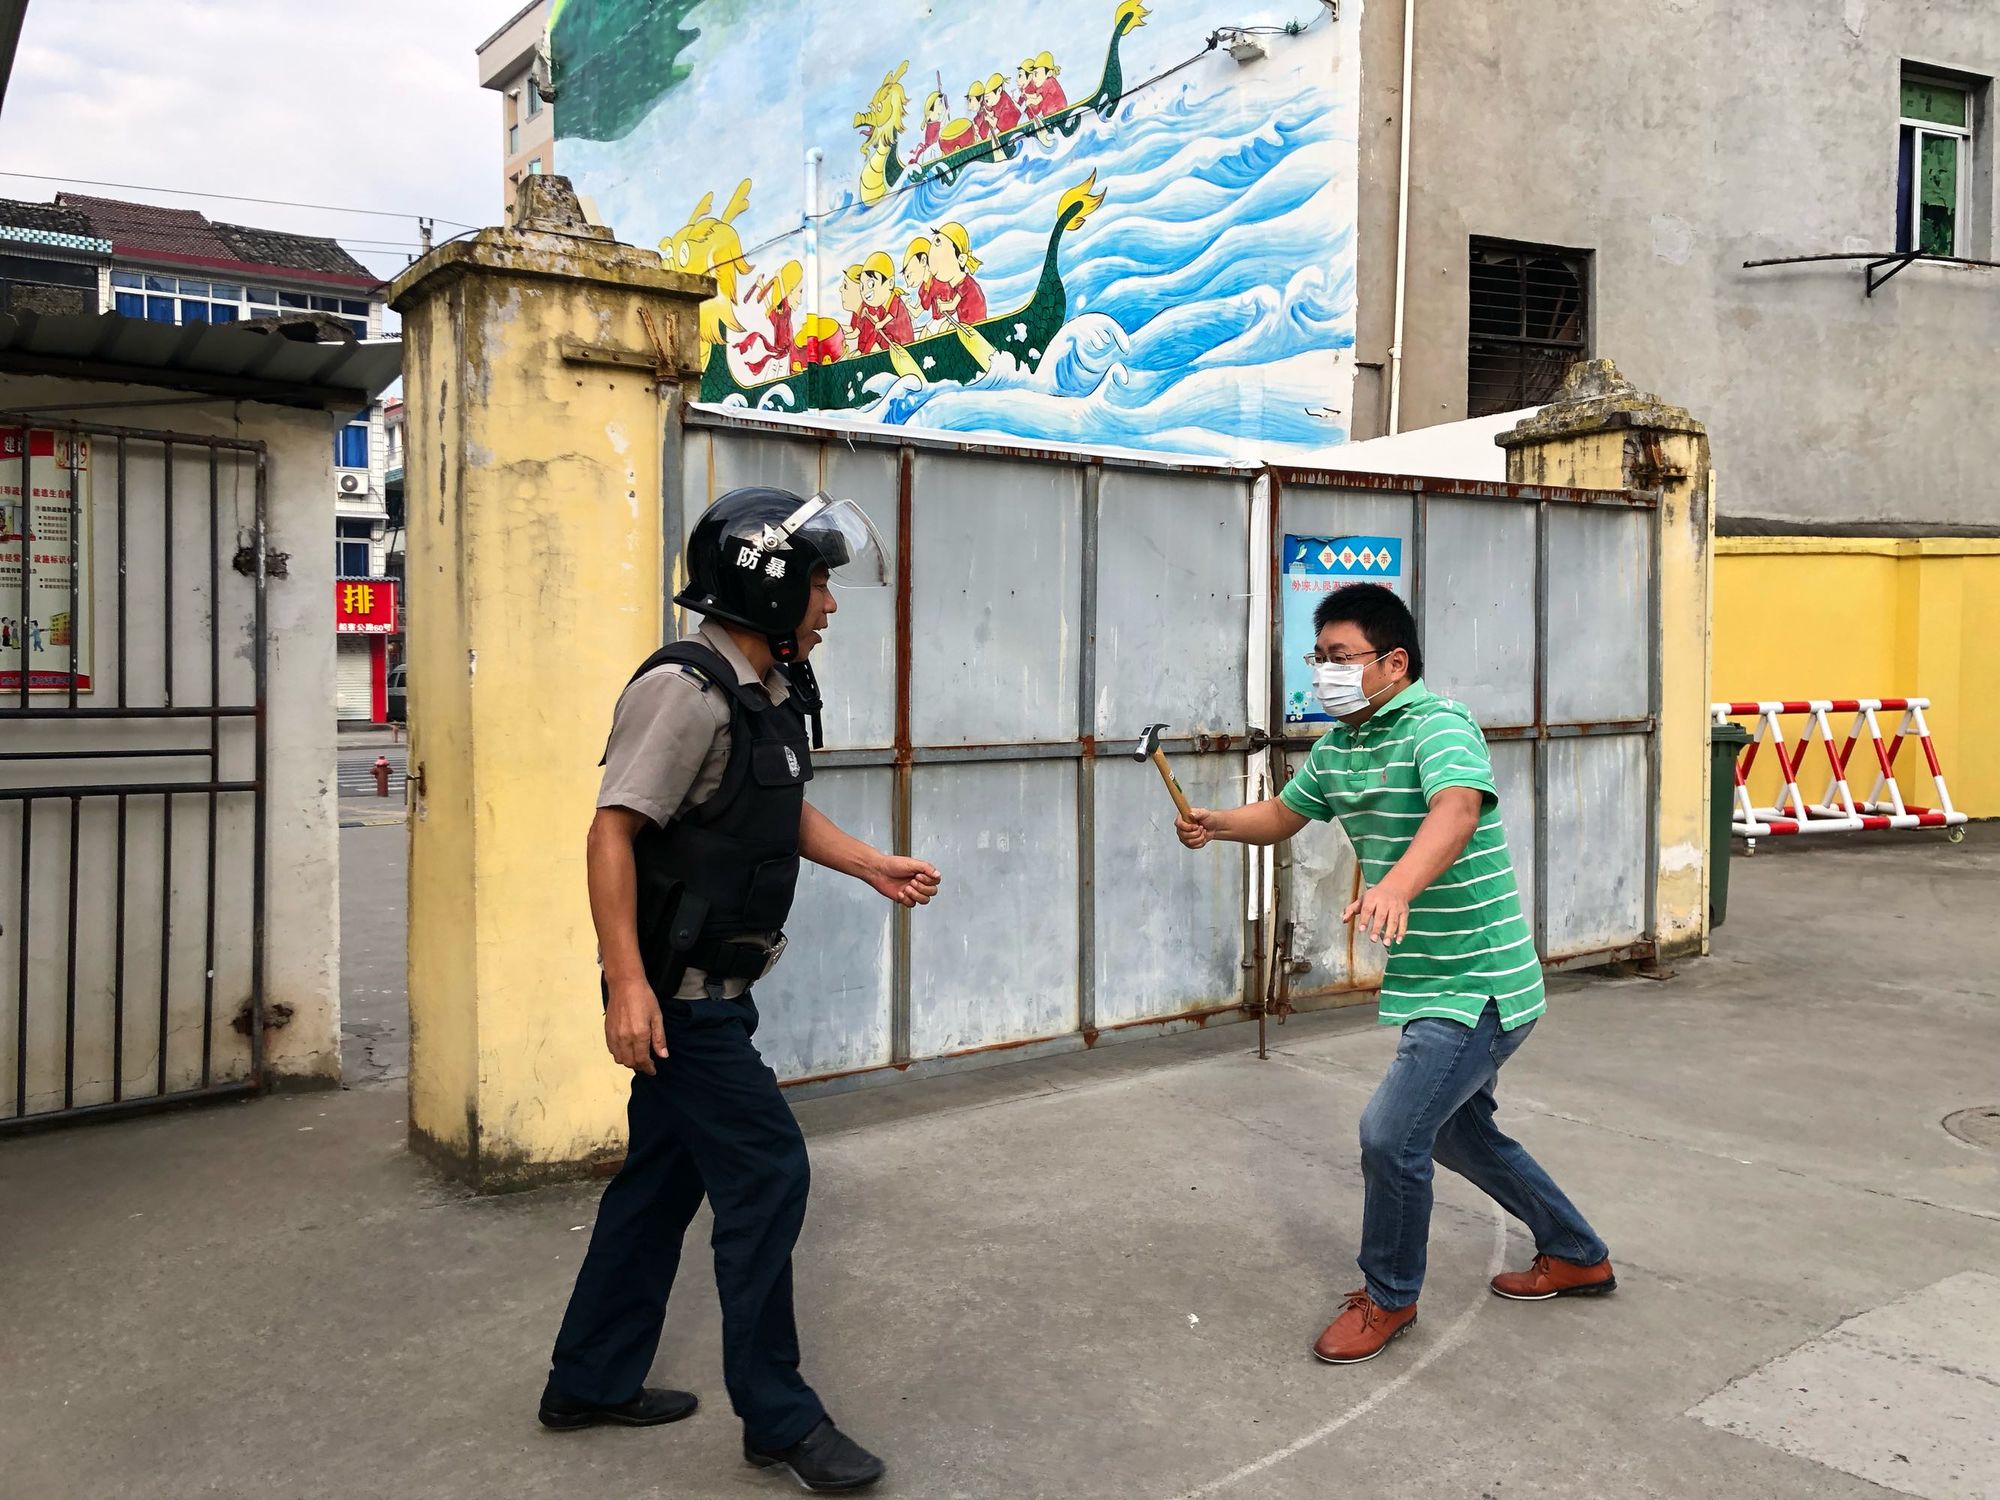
<point x="1882" y="266"/>
<point x="266" y="363"/>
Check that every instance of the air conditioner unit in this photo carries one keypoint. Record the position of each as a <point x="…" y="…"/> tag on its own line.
<point x="353" y="484"/>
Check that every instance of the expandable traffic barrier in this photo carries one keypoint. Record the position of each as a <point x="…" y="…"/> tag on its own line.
<point x="1837" y="811"/>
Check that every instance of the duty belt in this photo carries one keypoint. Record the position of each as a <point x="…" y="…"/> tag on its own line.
<point x="732" y="958"/>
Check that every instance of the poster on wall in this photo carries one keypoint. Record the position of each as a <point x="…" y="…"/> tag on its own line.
<point x="1083" y="221"/>
<point x="1314" y="567"/>
<point x="37" y="545"/>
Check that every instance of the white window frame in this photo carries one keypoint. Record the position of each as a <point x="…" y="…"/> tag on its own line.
<point x="252" y="300"/>
<point x="343" y="539"/>
<point x="1962" y="134"/>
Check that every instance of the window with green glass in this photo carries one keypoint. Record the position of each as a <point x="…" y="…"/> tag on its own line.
<point x="1934" y="160"/>
<point x="1934" y="103"/>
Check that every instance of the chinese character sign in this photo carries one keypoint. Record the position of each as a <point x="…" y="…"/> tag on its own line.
<point x="1314" y="567"/>
<point x="44" y="535"/>
<point x="364" y="606"/>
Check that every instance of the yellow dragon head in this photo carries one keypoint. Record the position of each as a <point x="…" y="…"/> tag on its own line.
<point x="880" y="123"/>
<point x="885" y="112"/>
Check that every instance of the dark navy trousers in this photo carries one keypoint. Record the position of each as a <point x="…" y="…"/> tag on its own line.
<point x="710" y="1122"/>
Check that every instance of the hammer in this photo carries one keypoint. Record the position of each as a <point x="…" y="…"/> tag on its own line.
<point x="1149" y="748"/>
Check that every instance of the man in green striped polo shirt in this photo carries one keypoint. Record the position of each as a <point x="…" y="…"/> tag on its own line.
<point x="1407" y="774"/>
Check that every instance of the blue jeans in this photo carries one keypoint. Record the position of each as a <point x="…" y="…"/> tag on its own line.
<point x="1436" y="1105"/>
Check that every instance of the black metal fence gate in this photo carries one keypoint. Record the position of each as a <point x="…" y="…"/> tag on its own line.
<point x="132" y="768"/>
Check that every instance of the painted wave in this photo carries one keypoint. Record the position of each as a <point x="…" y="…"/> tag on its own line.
<point x="1210" y="297"/>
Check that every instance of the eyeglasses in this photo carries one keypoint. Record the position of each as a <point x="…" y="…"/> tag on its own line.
<point x="1314" y="659"/>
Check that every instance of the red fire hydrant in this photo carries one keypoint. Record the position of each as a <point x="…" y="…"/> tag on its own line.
<point x="381" y="770"/>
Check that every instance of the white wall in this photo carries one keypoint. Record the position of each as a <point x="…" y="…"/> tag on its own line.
<point x="302" y="983"/>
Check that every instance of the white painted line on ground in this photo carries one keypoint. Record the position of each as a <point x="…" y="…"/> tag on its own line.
<point x="1452" y="1337"/>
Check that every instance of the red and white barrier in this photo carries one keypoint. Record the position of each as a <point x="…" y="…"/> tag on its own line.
<point x="1836" y="811"/>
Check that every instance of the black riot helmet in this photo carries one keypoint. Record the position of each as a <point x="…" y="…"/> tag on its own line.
<point x="751" y="559"/>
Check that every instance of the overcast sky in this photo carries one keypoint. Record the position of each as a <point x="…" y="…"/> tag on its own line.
<point x="371" y="104"/>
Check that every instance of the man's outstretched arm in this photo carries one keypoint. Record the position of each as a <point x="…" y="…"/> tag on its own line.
<point x="1266" y="822"/>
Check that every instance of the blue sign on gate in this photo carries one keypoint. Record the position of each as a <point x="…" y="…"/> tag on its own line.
<point x="1314" y="567"/>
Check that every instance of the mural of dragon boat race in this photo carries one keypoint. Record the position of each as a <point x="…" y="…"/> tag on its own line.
<point x="1081" y="221"/>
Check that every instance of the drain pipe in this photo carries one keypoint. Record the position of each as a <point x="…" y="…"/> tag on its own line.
<point x="813" y="159"/>
<point x="1402" y="222"/>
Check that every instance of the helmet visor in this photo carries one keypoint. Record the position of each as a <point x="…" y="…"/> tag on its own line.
<point x="837" y="533"/>
<point x="844" y="537"/>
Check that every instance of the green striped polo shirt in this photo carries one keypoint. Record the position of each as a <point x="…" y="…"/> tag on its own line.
<point x="1468" y="941"/>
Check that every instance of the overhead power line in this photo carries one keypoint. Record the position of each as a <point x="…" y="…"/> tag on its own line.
<point x="143" y="187"/>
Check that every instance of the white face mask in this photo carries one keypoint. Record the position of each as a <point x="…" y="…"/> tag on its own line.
<point x="1339" y="687"/>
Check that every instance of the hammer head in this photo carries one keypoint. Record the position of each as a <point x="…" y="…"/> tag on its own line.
<point x="1149" y="741"/>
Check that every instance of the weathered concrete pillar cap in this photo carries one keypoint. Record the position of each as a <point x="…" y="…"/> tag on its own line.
<point x="1596" y="398"/>
<point x="548" y="203"/>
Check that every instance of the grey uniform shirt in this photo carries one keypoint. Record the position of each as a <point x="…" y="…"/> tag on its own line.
<point x="669" y="747"/>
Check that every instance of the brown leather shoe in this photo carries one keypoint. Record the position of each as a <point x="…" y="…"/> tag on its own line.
<point x="1362" y="1330"/>
<point x="1549" y="1277"/>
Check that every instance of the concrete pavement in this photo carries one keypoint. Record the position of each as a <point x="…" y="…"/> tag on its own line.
<point x="374" y="997"/>
<point x="1098" y="1275"/>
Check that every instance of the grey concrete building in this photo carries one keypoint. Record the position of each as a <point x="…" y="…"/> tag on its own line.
<point x="1590" y="178"/>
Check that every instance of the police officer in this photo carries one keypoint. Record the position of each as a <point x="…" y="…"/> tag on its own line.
<point x="693" y="856"/>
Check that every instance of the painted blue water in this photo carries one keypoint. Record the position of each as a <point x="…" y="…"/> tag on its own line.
<point x="1210" y="296"/>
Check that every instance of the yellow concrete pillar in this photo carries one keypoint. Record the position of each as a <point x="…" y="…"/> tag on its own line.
<point x="539" y="366"/>
<point x="1602" y="433"/>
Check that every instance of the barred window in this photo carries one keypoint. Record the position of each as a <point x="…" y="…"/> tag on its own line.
<point x="1530" y="323"/>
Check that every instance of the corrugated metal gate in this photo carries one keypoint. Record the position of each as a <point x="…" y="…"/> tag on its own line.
<point x="1537" y="608"/>
<point x="132" y="813"/>
<point x="1048" y="607"/>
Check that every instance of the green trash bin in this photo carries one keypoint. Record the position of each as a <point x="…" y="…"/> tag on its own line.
<point x="1725" y="743"/>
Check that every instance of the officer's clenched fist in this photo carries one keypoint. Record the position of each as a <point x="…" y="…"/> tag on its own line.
<point x="907" y="882"/>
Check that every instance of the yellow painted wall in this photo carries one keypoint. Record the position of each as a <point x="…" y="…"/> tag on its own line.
<point x="1840" y="617"/>
<point x="533" y="481"/>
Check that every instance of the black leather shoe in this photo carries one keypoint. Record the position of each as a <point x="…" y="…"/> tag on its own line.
<point x="826" y="1460"/>
<point x="650" y="1408"/>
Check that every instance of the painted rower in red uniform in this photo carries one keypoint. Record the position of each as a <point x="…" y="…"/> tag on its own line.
<point x="1049" y="95"/>
<point x="883" y="317"/>
<point x="958" y="298"/>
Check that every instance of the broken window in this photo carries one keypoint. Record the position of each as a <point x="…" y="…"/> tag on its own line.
<point x="1932" y="164"/>
<point x="1530" y="323"/>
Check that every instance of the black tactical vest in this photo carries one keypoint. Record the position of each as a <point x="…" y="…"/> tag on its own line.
<point x="726" y="869"/>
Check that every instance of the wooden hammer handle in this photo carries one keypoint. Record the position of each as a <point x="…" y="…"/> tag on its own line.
<point x="1167" y="775"/>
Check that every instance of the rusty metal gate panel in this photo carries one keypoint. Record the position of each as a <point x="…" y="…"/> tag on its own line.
<point x="983" y="717"/>
<point x="1600" y="684"/>
<point x="1537" y="608"/>
<point x="132" y="776"/>
<point x="1173" y="620"/>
